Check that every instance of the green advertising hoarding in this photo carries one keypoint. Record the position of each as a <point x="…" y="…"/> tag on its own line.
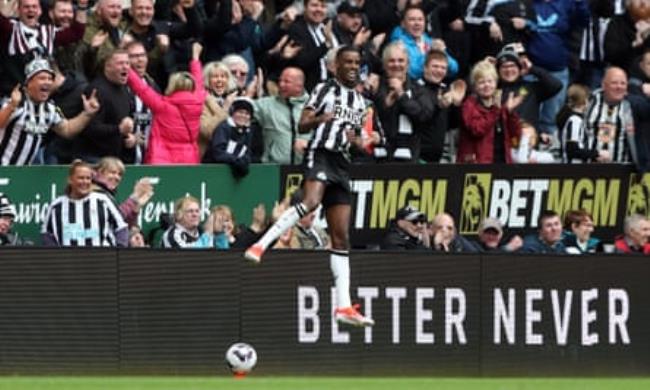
<point x="31" y="189"/>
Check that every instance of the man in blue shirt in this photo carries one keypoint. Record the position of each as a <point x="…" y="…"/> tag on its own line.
<point x="549" y="237"/>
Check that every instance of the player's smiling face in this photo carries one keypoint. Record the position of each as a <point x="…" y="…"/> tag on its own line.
<point x="347" y="69"/>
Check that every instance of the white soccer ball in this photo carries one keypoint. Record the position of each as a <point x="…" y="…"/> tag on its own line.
<point x="241" y="358"/>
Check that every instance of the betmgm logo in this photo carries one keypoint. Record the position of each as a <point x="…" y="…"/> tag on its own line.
<point x="474" y="208"/>
<point x="638" y="195"/>
<point x="292" y="183"/>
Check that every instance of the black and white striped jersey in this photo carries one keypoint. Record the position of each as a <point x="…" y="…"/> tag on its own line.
<point x="573" y="131"/>
<point x="349" y="109"/>
<point x="607" y="127"/>
<point x="21" y="138"/>
<point x="24" y="39"/>
<point x="91" y="221"/>
<point x="179" y="237"/>
<point x="142" y="118"/>
<point x="592" y="45"/>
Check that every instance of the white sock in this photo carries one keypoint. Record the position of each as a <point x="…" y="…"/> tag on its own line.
<point x="286" y="221"/>
<point x="340" y="265"/>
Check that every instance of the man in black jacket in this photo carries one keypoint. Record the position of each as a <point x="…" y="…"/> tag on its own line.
<point x="513" y="65"/>
<point x="639" y="97"/>
<point x="407" y="231"/>
<point x="105" y="133"/>
<point x="401" y="104"/>
<point x="68" y="87"/>
<point x="628" y="35"/>
<point x="439" y="102"/>
<point x="310" y="33"/>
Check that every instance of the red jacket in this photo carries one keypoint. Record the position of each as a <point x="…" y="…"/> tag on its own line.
<point x="475" y="144"/>
<point x="623" y="247"/>
<point x="176" y="120"/>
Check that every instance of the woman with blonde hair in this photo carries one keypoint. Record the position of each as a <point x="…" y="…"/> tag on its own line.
<point x="488" y="127"/>
<point x="107" y="176"/>
<point x="222" y="89"/>
<point x="176" y="115"/>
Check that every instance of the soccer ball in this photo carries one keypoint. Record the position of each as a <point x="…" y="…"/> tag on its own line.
<point x="241" y="358"/>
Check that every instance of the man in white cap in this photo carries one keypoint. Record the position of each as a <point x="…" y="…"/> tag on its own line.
<point x="28" y="114"/>
<point x="490" y="234"/>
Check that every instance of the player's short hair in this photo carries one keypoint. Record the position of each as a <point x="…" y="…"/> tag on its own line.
<point x="346" y="49"/>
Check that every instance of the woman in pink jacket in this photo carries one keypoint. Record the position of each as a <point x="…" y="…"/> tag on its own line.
<point x="176" y="116"/>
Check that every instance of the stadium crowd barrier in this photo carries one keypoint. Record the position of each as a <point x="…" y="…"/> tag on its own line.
<point x="514" y="193"/>
<point x="96" y="311"/>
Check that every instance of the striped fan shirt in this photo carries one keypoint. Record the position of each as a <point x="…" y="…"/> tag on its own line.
<point x="142" y="118"/>
<point x="25" y="39"/>
<point x="573" y="131"/>
<point x="91" y="221"/>
<point x="179" y="237"/>
<point x="21" y="138"/>
<point x="607" y="127"/>
<point x="349" y="109"/>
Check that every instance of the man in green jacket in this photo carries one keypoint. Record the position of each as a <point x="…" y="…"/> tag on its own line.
<point x="278" y="116"/>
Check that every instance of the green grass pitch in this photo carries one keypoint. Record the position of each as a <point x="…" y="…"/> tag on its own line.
<point x="314" y="383"/>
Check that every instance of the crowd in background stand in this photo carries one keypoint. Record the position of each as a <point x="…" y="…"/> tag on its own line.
<point x="224" y="81"/>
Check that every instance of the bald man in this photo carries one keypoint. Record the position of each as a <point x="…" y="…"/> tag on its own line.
<point x="278" y="116"/>
<point x="609" y="125"/>
<point x="444" y="237"/>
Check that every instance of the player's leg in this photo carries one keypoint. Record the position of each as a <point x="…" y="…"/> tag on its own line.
<point x="338" y="221"/>
<point x="313" y="193"/>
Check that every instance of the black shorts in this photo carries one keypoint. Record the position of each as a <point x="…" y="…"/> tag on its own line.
<point x="332" y="169"/>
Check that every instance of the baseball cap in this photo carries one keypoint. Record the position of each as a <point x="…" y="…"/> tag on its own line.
<point x="411" y="214"/>
<point x="6" y="208"/>
<point x="37" y="65"/>
<point x="347" y="8"/>
<point x="490" y="223"/>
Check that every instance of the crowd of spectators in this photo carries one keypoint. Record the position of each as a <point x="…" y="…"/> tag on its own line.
<point x="224" y="81"/>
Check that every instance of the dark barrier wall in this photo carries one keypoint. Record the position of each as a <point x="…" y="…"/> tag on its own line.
<point x="136" y="312"/>
<point x="516" y="194"/>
